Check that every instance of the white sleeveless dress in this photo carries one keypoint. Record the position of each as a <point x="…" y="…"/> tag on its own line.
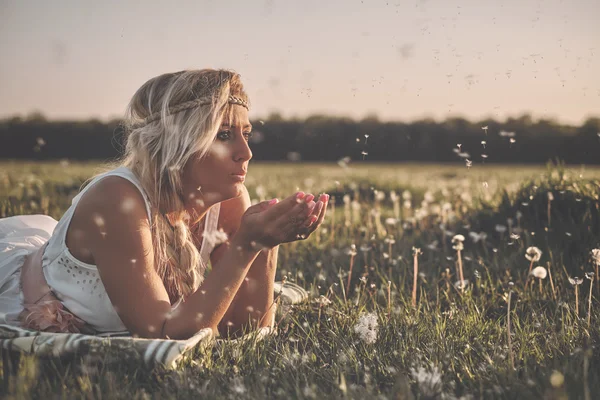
<point x="76" y="284"/>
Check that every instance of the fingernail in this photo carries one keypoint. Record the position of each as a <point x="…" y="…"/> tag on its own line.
<point x="273" y="202"/>
<point x="299" y="195"/>
<point x="309" y="198"/>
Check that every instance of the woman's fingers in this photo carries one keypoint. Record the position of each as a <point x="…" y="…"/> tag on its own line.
<point x="284" y="206"/>
<point x="317" y="217"/>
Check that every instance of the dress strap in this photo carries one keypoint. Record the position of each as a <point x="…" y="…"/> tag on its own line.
<point x="211" y="224"/>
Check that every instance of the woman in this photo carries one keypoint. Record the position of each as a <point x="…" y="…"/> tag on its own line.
<point x="131" y="251"/>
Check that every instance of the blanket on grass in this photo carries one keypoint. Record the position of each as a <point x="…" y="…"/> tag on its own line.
<point x="151" y="352"/>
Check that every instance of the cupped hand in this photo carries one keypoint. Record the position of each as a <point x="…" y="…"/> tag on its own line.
<point x="270" y="223"/>
<point x="314" y="220"/>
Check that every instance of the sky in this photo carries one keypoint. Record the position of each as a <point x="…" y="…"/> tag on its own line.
<point x="399" y="60"/>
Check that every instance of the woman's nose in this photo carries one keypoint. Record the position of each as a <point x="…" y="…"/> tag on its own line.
<point x="243" y="152"/>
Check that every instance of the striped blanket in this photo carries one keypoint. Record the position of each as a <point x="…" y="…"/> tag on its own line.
<point x="151" y="352"/>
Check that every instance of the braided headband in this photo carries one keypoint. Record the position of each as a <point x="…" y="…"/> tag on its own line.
<point x="192" y="104"/>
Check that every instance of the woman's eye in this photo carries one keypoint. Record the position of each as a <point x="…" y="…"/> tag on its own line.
<point x="223" y="135"/>
<point x="248" y="135"/>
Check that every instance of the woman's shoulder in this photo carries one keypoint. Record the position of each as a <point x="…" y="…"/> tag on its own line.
<point x="114" y="195"/>
<point x="112" y="206"/>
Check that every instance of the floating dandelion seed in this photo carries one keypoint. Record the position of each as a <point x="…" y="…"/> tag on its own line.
<point x="459" y="145"/>
<point x="343" y="162"/>
<point x="485" y="129"/>
<point x="483" y="143"/>
<point x="512" y="140"/>
<point x="469" y="163"/>
<point x="364" y="154"/>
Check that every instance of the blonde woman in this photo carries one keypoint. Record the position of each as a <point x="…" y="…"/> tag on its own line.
<point x="130" y="253"/>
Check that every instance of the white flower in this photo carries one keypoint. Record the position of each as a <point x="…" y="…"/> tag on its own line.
<point x="367" y="328"/>
<point x="389" y="240"/>
<point x="589" y="275"/>
<point x="322" y="300"/>
<point x="533" y="254"/>
<point x="458" y="238"/>
<point x="461" y="284"/>
<point x="352" y="250"/>
<point x="595" y="253"/>
<point x="539" y="272"/>
<point x="576" y="281"/>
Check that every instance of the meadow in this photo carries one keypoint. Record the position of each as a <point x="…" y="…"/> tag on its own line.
<point x="420" y="288"/>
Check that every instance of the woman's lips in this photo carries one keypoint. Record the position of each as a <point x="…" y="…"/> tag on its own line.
<point x="239" y="177"/>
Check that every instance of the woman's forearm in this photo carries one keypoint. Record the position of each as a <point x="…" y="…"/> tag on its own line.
<point x="206" y="306"/>
<point x="254" y="300"/>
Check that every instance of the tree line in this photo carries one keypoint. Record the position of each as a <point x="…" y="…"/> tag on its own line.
<point x="326" y="138"/>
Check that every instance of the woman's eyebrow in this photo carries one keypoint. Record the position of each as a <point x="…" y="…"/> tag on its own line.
<point x="248" y="126"/>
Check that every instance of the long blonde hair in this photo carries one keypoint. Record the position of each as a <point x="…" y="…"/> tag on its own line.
<point x="165" y="128"/>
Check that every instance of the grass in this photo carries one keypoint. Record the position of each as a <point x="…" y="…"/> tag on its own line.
<point x="453" y="344"/>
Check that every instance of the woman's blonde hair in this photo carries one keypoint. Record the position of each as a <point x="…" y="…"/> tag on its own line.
<point x="170" y="119"/>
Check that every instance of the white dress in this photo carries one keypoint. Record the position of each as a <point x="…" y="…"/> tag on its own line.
<point x="76" y="284"/>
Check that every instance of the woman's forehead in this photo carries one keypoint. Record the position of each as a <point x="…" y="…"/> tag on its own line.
<point x="237" y="117"/>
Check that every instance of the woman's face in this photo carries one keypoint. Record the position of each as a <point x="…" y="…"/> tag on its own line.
<point x="221" y="173"/>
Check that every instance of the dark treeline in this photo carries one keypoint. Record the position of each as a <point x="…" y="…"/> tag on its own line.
<point x="323" y="138"/>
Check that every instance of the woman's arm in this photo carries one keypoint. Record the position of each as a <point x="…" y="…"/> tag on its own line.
<point x="119" y="238"/>
<point x="120" y="241"/>
<point x="253" y="302"/>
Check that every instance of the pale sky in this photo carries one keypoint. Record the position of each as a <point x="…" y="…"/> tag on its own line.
<point x="401" y="60"/>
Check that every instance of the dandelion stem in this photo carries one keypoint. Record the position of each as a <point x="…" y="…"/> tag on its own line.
<point x="389" y="293"/>
<point x="577" y="300"/>
<point x="510" y="351"/>
<point x="460" y="271"/>
<point x="528" y="274"/>
<point x="332" y="203"/>
<point x="540" y="286"/>
<point x="350" y="274"/>
<point x="589" y="316"/>
<point x="416" y="274"/>
<point x="551" y="281"/>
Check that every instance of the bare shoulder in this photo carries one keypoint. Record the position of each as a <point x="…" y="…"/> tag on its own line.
<point x="114" y="204"/>
<point x="232" y="210"/>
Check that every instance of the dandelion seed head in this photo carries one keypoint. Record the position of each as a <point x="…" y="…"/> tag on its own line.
<point x="539" y="272"/>
<point x="533" y="254"/>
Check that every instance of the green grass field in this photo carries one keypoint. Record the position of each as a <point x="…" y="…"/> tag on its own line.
<point x="368" y="340"/>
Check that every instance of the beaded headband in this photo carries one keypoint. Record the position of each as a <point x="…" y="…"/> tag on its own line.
<point x="192" y="104"/>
